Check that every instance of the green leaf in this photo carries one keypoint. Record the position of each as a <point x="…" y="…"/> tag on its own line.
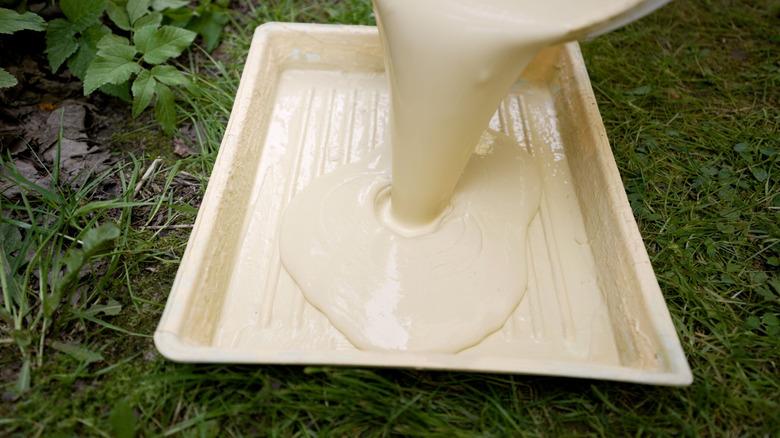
<point x="179" y="17"/>
<point x="117" y="12"/>
<point x="169" y="75"/>
<point x="113" y="308"/>
<point x="99" y="238"/>
<point x="12" y="21"/>
<point x="158" y="45"/>
<point x="142" y="36"/>
<point x="120" y="91"/>
<point x="60" y="42"/>
<point x="153" y="19"/>
<point x="93" y="242"/>
<point x="165" y="109"/>
<point x="143" y="91"/>
<point x="775" y="283"/>
<point x="77" y="352"/>
<point x="113" y="63"/>
<point x="209" y="26"/>
<point x="759" y="174"/>
<point x="83" y="13"/>
<point x="79" y="63"/>
<point x="111" y="40"/>
<point x="23" y="338"/>
<point x="771" y="319"/>
<point x="11" y="238"/>
<point x="74" y="259"/>
<point x="159" y="5"/>
<point x="640" y="91"/>
<point x="136" y="9"/>
<point x="7" y="79"/>
<point x="122" y="420"/>
<point x="765" y="293"/>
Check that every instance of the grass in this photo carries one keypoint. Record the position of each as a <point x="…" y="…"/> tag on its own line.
<point x="690" y="100"/>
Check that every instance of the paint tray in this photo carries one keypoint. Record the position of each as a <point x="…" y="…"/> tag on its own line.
<point x="593" y="307"/>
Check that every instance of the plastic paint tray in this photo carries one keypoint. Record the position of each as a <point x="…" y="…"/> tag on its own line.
<point x="593" y="307"/>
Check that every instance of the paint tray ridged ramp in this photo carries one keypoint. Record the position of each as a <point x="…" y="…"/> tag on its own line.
<point x="313" y="98"/>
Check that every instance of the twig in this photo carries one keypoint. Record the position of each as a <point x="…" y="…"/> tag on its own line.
<point x="188" y="175"/>
<point x="148" y="174"/>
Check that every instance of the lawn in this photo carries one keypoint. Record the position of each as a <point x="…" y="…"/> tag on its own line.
<point x="690" y="97"/>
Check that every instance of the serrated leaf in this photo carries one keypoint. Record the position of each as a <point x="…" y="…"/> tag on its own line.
<point x="79" y="63"/>
<point x="93" y="35"/>
<point x="165" y="109"/>
<point x="117" y="12"/>
<point x="120" y="91"/>
<point x="153" y="19"/>
<point x="143" y="91"/>
<point x="160" y="5"/>
<point x="142" y="36"/>
<point x="209" y="26"/>
<point x="179" y="17"/>
<point x="60" y="42"/>
<point x="158" y="45"/>
<point x="83" y="13"/>
<point x="112" y="40"/>
<point x="7" y="79"/>
<point x="169" y="75"/>
<point x="136" y="9"/>
<point x="113" y="63"/>
<point x="77" y="352"/>
<point x="12" y="21"/>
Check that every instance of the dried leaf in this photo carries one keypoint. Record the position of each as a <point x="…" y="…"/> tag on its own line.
<point x="181" y="148"/>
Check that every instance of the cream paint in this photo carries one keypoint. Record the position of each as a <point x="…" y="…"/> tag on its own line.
<point x="442" y="290"/>
<point x="429" y="253"/>
<point x="324" y="120"/>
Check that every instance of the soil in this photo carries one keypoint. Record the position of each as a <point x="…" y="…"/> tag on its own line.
<point x="45" y="107"/>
